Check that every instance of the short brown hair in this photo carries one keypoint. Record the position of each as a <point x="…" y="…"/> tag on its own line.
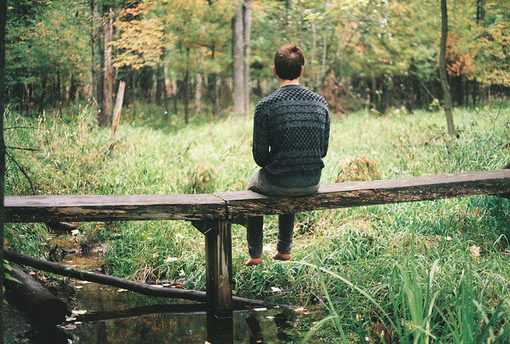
<point x="288" y="61"/>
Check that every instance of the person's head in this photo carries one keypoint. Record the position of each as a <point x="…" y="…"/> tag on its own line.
<point x="288" y="62"/>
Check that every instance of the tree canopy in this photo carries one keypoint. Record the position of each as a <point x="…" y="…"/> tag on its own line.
<point x="377" y="53"/>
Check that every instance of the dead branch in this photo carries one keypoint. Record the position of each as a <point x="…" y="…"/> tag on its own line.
<point x="141" y="288"/>
<point x="22" y="169"/>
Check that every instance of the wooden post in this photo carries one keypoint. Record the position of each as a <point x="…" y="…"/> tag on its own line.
<point x="118" y="108"/>
<point x="218" y="250"/>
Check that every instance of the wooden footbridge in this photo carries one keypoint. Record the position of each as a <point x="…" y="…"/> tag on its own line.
<point x="212" y="214"/>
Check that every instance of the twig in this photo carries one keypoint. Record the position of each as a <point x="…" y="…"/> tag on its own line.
<point x="22" y="171"/>
<point x="12" y="128"/>
<point x="425" y="87"/>
<point x="24" y="148"/>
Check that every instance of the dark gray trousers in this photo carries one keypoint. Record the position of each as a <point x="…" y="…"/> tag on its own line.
<point x="254" y="229"/>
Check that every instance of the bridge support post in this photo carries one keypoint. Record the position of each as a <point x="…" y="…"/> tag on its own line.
<point x="218" y="251"/>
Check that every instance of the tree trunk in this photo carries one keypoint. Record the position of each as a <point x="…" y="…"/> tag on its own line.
<point x="442" y="70"/>
<point x="31" y="296"/>
<point x="166" y="84"/>
<point x="324" y="60"/>
<point x="186" y="88"/>
<point x="160" y="85"/>
<point x="480" y="12"/>
<point x="95" y="45"/>
<point x="212" y="86"/>
<point x="3" y="19"/>
<point x="198" y="93"/>
<point x="43" y="92"/>
<point x="311" y="68"/>
<point x="238" y="62"/>
<point x="145" y="80"/>
<point x="247" y="46"/>
<point x="106" y="113"/>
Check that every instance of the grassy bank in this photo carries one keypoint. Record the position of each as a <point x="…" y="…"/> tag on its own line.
<point x="417" y="272"/>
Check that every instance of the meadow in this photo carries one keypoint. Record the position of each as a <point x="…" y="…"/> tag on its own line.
<point x="424" y="272"/>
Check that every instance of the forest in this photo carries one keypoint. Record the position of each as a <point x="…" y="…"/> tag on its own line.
<point x="211" y="57"/>
<point x="125" y="97"/>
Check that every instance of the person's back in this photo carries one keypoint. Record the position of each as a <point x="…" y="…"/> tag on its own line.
<point x="291" y="132"/>
<point x="290" y="138"/>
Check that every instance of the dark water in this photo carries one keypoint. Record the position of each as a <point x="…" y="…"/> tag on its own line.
<point x="105" y="315"/>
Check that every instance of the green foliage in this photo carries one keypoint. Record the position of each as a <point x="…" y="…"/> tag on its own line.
<point x="7" y="269"/>
<point x="494" y="43"/>
<point x="358" y="52"/>
<point x="142" y="41"/>
<point x="193" y="34"/>
<point x="48" y="47"/>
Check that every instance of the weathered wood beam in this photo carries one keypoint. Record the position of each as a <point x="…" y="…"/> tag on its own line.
<point x="83" y="208"/>
<point x="352" y="194"/>
<point x="200" y="207"/>
<point x="218" y="253"/>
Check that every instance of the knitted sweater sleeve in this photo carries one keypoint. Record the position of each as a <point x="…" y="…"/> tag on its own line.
<point x="261" y="151"/>
<point x="326" y="136"/>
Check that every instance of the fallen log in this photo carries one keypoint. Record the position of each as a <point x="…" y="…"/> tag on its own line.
<point x="141" y="288"/>
<point x="60" y="227"/>
<point x="28" y="294"/>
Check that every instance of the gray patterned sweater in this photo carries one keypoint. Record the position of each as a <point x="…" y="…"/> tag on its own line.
<point x="291" y="135"/>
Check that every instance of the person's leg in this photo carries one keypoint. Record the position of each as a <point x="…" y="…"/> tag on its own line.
<point x="255" y="225"/>
<point x="285" y="234"/>
<point x="254" y="236"/>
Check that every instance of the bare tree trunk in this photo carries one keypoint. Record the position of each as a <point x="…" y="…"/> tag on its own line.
<point x="198" y="93"/>
<point x="311" y="65"/>
<point x="106" y="113"/>
<point x="442" y="70"/>
<point x="480" y="12"/>
<point x="186" y="88"/>
<point x="43" y="92"/>
<point x="238" y="62"/>
<point x="247" y="46"/>
<point x="324" y="64"/>
<point x="212" y="88"/>
<point x="214" y="96"/>
<point x="95" y="45"/>
<point x="3" y="19"/>
<point x="160" y="85"/>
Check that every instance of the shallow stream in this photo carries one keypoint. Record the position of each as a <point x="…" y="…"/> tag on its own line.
<point x="111" y="315"/>
<point x="106" y="315"/>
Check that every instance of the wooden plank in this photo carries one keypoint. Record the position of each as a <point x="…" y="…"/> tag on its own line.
<point x="351" y="194"/>
<point x="84" y="208"/>
<point x="246" y="203"/>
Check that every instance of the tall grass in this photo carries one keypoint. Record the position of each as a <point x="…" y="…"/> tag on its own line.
<point x="425" y="272"/>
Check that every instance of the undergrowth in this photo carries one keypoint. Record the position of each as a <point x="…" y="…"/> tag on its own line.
<point x="425" y="272"/>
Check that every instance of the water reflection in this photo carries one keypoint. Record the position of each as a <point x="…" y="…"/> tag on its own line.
<point x="111" y="317"/>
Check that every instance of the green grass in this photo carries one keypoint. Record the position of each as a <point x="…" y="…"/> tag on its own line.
<point x="426" y="272"/>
